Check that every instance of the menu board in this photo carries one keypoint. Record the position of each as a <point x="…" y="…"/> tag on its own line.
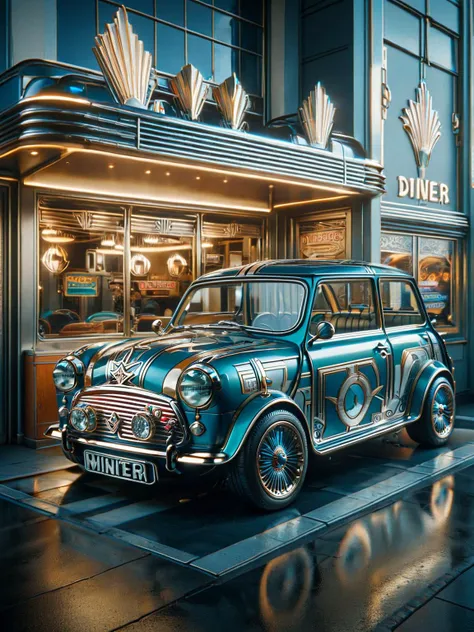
<point x="81" y="284"/>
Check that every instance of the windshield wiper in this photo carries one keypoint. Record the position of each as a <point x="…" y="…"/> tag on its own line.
<point x="228" y="323"/>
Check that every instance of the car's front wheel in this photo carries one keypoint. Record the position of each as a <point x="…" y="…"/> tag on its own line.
<point x="436" y="423"/>
<point x="269" y="470"/>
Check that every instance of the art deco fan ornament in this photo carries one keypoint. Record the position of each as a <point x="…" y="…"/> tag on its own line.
<point x="190" y="91"/>
<point x="125" y="63"/>
<point x="317" y="117"/>
<point x="232" y="101"/>
<point x="422" y="125"/>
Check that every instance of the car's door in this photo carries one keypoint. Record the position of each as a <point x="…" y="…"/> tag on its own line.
<point x="349" y="370"/>
<point x="409" y="338"/>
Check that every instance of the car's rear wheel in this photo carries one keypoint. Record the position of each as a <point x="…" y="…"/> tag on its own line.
<point x="269" y="470"/>
<point x="436" y="423"/>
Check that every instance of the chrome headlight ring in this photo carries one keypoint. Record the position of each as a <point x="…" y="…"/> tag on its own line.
<point x="143" y="425"/>
<point x="66" y="373"/>
<point x="83" y="418"/>
<point x="197" y="385"/>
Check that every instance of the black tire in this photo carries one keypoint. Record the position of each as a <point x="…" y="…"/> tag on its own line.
<point x="268" y="479"/>
<point x="436" y="423"/>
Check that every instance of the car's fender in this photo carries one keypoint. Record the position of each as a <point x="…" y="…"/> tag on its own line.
<point x="429" y="372"/>
<point x="250" y="412"/>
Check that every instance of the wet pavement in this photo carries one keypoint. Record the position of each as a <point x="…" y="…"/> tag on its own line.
<point x="194" y="558"/>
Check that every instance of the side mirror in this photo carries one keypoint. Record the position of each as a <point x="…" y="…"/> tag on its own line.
<point x="432" y="318"/>
<point x="157" y="327"/>
<point x="324" y="331"/>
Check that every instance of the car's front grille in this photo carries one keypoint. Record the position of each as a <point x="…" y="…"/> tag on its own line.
<point x="126" y="402"/>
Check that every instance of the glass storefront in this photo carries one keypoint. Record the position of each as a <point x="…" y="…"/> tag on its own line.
<point x="80" y="272"/>
<point x="432" y="262"/>
<point x="82" y="275"/>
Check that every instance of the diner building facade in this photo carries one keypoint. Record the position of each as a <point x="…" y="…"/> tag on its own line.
<point x="144" y="145"/>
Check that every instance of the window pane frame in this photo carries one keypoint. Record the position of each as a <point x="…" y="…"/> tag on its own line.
<point x="420" y="304"/>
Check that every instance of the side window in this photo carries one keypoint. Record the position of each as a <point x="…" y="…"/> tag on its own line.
<point x="348" y="305"/>
<point x="400" y="304"/>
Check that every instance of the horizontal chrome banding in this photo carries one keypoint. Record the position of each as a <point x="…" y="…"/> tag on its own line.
<point x="126" y="403"/>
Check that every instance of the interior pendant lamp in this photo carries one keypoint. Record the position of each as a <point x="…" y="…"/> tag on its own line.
<point x="55" y="259"/>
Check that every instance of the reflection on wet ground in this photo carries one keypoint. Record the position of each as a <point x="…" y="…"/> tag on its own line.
<point x="349" y="580"/>
<point x="60" y="577"/>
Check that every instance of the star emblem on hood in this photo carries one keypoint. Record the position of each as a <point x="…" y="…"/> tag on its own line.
<point x="123" y="371"/>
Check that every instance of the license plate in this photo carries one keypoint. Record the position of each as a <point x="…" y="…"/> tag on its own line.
<point x="119" y="467"/>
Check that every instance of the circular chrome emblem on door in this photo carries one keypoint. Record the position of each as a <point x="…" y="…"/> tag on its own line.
<point x="354" y="398"/>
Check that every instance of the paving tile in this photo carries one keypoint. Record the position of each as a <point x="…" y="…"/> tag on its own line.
<point x="237" y="555"/>
<point x="460" y="591"/>
<point x="338" y="510"/>
<point x="439" y="616"/>
<point x="152" y="547"/>
<point x="41" y="505"/>
<point x="92" y="504"/>
<point x="106" y="601"/>
<point x="363" y="478"/>
<point x="15" y="494"/>
<point x="36" y="558"/>
<point x="295" y="529"/>
<point x="41" y="482"/>
<point x="13" y="515"/>
<point x="126" y="513"/>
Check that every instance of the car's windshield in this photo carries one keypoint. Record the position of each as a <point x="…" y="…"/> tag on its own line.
<point x="268" y="305"/>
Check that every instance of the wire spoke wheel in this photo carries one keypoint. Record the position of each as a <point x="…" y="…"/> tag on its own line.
<point x="280" y="460"/>
<point x="442" y="410"/>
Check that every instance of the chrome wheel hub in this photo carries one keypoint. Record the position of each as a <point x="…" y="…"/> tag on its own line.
<point x="280" y="460"/>
<point x="442" y="411"/>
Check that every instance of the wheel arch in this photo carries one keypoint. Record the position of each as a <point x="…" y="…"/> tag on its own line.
<point x="432" y="371"/>
<point x="250" y="415"/>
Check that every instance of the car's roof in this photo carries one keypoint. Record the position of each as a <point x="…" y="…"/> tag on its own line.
<point x="309" y="267"/>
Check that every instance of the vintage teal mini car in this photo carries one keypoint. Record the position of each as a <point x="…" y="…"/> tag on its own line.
<point x="260" y="367"/>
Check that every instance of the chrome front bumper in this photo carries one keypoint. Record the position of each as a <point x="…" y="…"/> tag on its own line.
<point x="194" y="458"/>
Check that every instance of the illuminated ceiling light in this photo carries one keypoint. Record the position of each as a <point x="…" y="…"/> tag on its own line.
<point x="168" y="173"/>
<point x="206" y="244"/>
<point x="31" y="181"/>
<point x="139" y="265"/>
<point x="111" y="166"/>
<point x="328" y="199"/>
<point x="53" y="236"/>
<point x="161" y="248"/>
<point x="151" y="239"/>
<point x="108" y="241"/>
<point x="34" y="153"/>
<point x="198" y="177"/>
<point x="225" y="181"/>
<point x="55" y="259"/>
<point x="148" y="171"/>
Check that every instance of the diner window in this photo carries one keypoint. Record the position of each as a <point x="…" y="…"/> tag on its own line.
<point x="80" y="272"/>
<point x="431" y="261"/>
<point x="162" y="252"/>
<point x="400" y="304"/>
<point x="226" y="244"/>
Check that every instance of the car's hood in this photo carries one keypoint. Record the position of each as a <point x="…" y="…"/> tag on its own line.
<point x="157" y="363"/>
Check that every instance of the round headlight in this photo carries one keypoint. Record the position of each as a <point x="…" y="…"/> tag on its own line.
<point x="64" y="376"/>
<point x="195" y="388"/>
<point x="83" y="419"/>
<point x="142" y="426"/>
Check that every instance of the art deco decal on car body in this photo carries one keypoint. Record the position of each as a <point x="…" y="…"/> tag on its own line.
<point x="259" y="367"/>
